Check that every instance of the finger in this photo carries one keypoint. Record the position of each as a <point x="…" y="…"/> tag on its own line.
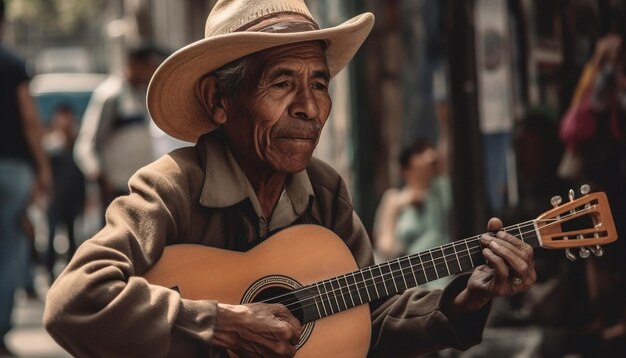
<point x="494" y="225"/>
<point x="281" y="312"/>
<point x="498" y="265"/>
<point x="287" y="351"/>
<point x="509" y="253"/>
<point x="516" y="242"/>
<point x="520" y="249"/>
<point x="286" y="315"/>
<point x="521" y="267"/>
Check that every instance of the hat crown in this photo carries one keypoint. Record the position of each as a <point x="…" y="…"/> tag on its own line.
<point x="229" y="16"/>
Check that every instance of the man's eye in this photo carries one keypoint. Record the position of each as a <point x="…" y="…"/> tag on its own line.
<point x="283" y="84"/>
<point x="319" y="86"/>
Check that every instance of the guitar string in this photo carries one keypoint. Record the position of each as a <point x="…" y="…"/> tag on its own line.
<point x="371" y="281"/>
<point x="473" y="238"/>
<point x="413" y="256"/>
<point x="310" y="301"/>
<point x="392" y="273"/>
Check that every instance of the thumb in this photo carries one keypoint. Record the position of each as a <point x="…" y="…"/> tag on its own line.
<point x="494" y="224"/>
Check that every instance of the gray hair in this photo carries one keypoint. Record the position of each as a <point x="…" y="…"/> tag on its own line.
<point x="230" y="75"/>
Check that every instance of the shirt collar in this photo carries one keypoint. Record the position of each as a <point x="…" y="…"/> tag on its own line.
<point x="225" y="184"/>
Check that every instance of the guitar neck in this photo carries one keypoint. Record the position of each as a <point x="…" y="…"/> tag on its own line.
<point x="343" y="292"/>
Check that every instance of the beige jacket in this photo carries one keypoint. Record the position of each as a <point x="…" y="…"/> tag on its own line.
<point x="101" y="307"/>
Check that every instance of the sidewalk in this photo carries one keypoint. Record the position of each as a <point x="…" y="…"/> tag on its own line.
<point x="28" y="338"/>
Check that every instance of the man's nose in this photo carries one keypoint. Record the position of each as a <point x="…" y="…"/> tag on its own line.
<point x="304" y="104"/>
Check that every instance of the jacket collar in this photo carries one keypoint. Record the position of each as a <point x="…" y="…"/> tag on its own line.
<point x="225" y="184"/>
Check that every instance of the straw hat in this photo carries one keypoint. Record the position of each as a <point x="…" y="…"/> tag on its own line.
<point x="230" y="33"/>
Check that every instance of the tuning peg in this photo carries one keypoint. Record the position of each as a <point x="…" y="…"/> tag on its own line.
<point x="556" y="200"/>
<point x="597" y="250"/>
<point x="585" y="189"/>
<point x="570" y="256"/>
<point x="584" y="252"/>
<point x="571" y="194"/>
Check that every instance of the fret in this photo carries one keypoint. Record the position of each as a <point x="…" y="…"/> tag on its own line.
<point x="326" y="303"/>
<point x="520" y="235"/>
<point x="395" y="267"/>
<point x="315" y="299"/>
<point x="464" y="256"/>
<point x="439" y="260"/>
<point x="353" y="284"/>
<point x="393" y="276"/>
<point x="533" y="237"/>
<point x="469" y="252"/>
<point x="374" y="282"/>
<point x="382" y="277"/>
<point x="334" y="283"/>
<point x="429" y="266"/>
<point x="406" y="264"/>
<point x="349" y="288"/>
<point x="478" y="254"/>
<point x="332" y="297"/>
<point x="365" y="284"/>
<point x="445" y="259"/>
<point x="361" y="286"/>
<point x="421" y="266"/>
<point x="449" y="255"/>
<point x="321" y="298"/>
<point x="329" y="297"/>
<point x="456" y="254"/>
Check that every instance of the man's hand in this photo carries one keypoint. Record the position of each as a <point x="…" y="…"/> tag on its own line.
<point x="510" y="269"/>
<point x="257" y="330"/>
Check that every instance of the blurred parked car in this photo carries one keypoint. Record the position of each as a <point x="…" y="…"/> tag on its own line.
<point x="75" y="89"/>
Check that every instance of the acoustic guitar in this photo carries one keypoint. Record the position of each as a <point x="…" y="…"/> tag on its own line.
<point x="310" y="270"/>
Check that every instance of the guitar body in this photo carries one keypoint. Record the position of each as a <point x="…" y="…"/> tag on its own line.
<point x="297" y="256"/>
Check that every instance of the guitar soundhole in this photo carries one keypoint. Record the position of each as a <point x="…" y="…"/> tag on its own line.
<point x="270" y="293"/>
<point x="279" y="289"/>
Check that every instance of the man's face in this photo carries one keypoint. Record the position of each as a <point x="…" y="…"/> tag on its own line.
<point x="274" y="122"/>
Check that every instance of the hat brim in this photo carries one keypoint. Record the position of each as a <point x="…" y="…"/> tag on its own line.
<point x="172" y="93"/>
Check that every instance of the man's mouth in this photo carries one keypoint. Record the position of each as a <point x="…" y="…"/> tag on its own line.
<point x="300" y="135"/>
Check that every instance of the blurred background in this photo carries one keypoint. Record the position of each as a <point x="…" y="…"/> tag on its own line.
<point x="492" y="80"/>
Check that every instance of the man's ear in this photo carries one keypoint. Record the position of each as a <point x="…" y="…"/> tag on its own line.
<point x="210" y="93"/>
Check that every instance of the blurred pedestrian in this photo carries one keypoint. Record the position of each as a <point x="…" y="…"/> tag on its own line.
<point x="23" y="168"/>
<point x="68" y="197"/>
<point x="115" y="137"/>
<point x="414" y="218"/>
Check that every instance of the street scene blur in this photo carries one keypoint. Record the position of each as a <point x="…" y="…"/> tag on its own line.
<point x="452" y="112"/>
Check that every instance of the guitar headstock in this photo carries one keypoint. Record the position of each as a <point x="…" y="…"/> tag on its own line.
<point x="585" y="222"/>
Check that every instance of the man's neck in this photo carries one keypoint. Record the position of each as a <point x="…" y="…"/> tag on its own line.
<point x="268" y="190"/>
<point x="268" y="184"/>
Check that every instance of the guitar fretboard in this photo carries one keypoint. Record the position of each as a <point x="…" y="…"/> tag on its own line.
<point x="343" y="292"/>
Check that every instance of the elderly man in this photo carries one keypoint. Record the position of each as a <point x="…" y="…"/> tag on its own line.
<point x="253" y="95"/>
